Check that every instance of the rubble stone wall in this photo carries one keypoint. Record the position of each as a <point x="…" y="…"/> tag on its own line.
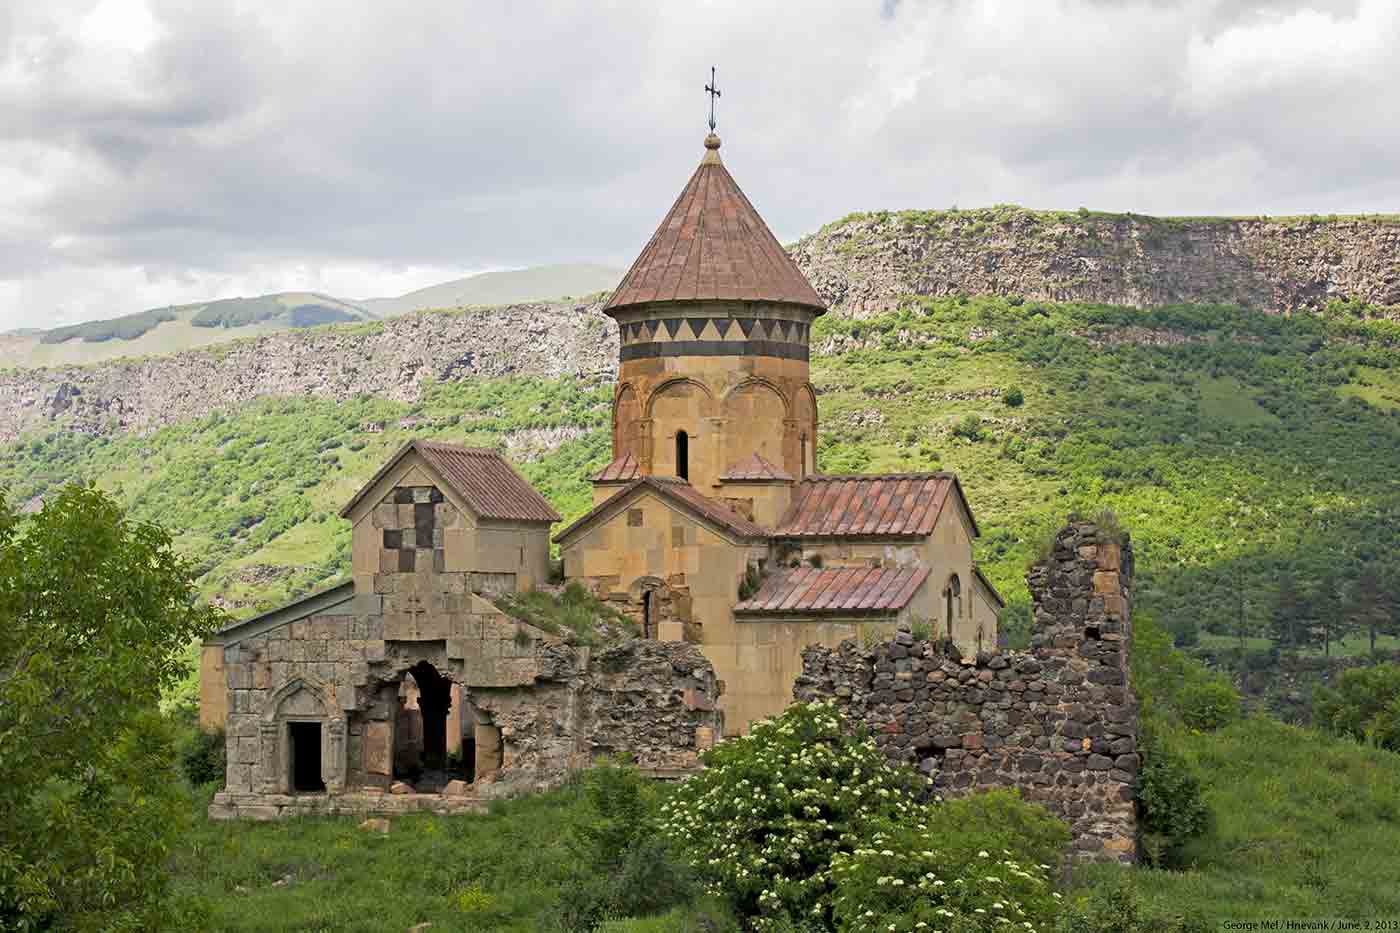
<point x="557" y="707"/>
<point x="1058" y="722"/>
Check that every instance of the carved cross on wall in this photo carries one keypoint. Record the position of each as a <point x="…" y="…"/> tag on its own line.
<point x="413" y="606"/>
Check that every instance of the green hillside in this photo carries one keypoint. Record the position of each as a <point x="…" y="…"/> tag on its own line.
<point x="175" y="328"/>
<point x="1237" y="447"/>
<point x="510" y="286"/>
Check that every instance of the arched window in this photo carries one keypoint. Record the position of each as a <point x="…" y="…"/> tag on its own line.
<point x="953" y="597"/>
<point x="802" y="470"/>
<point x="682" y="455"/>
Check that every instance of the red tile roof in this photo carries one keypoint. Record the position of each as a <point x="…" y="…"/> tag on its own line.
<point x="897" y="505"/>
<point x="754" y="469"/>
<point x="622" y="470"/>
<point x="481" y="478"/>
<point x="713" y="245"/>
<point x="841" y="591"/>
<point x="681" y="493"/>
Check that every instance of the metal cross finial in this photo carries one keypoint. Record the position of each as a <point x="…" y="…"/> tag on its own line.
<point x="713" y="92"/>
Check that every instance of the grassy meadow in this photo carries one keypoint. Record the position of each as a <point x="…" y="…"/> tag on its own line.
<point x="499" y="871"/>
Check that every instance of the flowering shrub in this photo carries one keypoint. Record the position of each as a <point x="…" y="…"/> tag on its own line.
<point x="906" y="879"/>
<point x="762" y="822"/>
<point x="803" y="826"/>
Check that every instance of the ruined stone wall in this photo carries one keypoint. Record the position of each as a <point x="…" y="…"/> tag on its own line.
<point x="557" y="707"/>
<point x="1057" y="722"/>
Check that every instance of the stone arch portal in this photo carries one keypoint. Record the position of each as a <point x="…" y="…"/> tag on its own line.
<point x="302" y="740"/>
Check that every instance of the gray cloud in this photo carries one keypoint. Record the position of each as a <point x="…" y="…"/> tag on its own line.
<point x="152" y="150"/>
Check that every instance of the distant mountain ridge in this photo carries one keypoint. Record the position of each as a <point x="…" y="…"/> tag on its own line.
<point x="176" y="328"/>
<point x="507" y="287"/>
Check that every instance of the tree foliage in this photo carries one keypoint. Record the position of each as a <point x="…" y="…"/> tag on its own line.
<point x="1365" y="705"/>
<point x="791" y="821"/>
<point x="95" y="614"/>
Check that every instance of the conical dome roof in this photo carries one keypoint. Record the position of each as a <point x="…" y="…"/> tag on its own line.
<point x="712" y="245"/>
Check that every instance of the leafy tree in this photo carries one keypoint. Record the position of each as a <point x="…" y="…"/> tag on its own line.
<point x="1365" y="705"/>
<point x="1289" y="623"/>
<point x="95" y="616"/>
<point x="1371" y="607"/>
<point x="1330" y="615"/>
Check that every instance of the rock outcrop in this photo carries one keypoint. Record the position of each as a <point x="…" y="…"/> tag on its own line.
<point x="860" y="266"/>
<point x="389" y="359"/>
<point x="867" y="262"/>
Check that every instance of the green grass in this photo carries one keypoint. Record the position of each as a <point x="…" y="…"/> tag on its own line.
<point x="1226" y="400"/>
<point x="1307" y="826"/>
<point x="575" y="613"/>
<point x="1379" y="388"/>
<point x="499" y="871"/>
<point x="1354" y="645"/>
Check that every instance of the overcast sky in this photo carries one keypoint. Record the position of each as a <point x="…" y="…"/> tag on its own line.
<point x="164" y="151"/>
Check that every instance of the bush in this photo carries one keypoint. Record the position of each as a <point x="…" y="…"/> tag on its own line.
<point x="1365" y="705"/>
<point x="762" y="822"/>
<point x="991" y="853"/>
<point x="1208" y="704"/>
<point x="202" y="757"/>
<point x="625" y="867"/>
<point x="1171" y="807"/>
<point x="1185" y="632"/>
<point x="969" y="427"/>
<point x="1116" y="907"/>
<point x="1013" y="397"/>
<point x="797" y="823"/>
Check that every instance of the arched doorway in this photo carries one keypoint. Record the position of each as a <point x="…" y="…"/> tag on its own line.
<point x="420" y="744"/>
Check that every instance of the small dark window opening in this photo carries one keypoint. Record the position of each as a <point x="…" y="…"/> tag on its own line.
<point x="646" y="614"/>
<point x="802" y="466"/>
<point x="305" y="738"/>
<point x="1091" y="631"/>
<point x="682" y="455"/>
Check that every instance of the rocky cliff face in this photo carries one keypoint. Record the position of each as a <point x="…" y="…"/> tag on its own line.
<point x="861" y="266"/>
<point x="865" y="263"/>
<point x="391" y="359"/>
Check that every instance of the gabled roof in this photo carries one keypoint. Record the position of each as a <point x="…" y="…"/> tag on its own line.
<point x="479" y="477"/>
<point x="987" y="584"/>
<point x="844" y="591"/>
<point x="622" y="470"/>
<point x="320" y="602"/>
<point x="677" y="492"/>
<point x="892" y="505"/>
<point x="713" y="245"/>
<point x="754" y="470"/>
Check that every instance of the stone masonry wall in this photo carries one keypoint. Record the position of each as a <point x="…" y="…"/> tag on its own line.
<point x="1057" y="722"/>
<point x="557" y="706"/>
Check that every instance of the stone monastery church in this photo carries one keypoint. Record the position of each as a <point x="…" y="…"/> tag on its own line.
<point x="406" y="686"/>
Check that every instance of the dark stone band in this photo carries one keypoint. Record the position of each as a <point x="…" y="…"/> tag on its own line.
<point x="783" y="351"/>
